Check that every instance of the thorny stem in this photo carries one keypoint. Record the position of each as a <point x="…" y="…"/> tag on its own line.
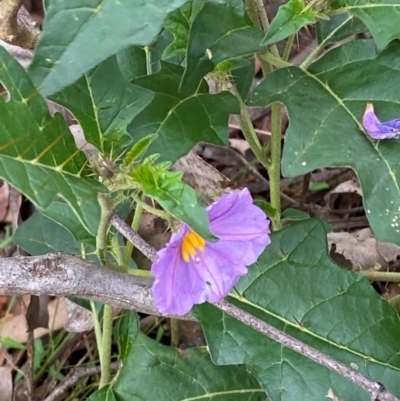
<point x="105" y="356"/>
<point x="262" y="12"/>
<point x="273" y="60"/>
<point x="101" y="246"/>
<point x="249" y="133"/>
<point x="310" y="58"/>
<point x="275" y="167"/>
<point x="288" y="48"/>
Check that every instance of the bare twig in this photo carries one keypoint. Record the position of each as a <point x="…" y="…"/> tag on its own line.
<point x="375" y="389"/>
<point x="63" y="275"/>
<point x="133" y="237"/>
<point x="75" y="375"/>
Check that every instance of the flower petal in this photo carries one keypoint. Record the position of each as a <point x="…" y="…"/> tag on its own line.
<point x="219" y="274"/>
<point x="175" y="282"/>
<point x="241" y="226"/>
<point x="377" y="129"/>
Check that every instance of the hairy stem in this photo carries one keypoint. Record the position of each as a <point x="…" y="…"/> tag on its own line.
<point x="101" y="246"/>
<point x="373" y="275"/>
<point x="310" y="58"/>
<point x="249" y="133"/>
<point x="275" y="168"/>
<point x="105" y="356"/>
<point x="288" y="48"/>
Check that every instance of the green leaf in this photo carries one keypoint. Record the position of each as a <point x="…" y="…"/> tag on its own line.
<point x="294" y="214"/>
<point x="138" y="149"/>
<point x="104" y="103"/>
<point x="181" y="119"/>
<point x="40" y="235"/>
<point x="218" y="33"/>
<point x="38" y="155"/>
<point x="177" y="198"/>
<point x="265" y="207"/>
<point x="79" y="34"/>
<point x="152" y="371"/>
<point x="339" y="27"/>
<point x="64" y="216"/>
<point x="132" y="62"/>
<point x="291" y="17"/>
<point x="180" y="21"/>
<point x="242" y="77"/>
<point x="106" y="393"/>
<point x="8" y="342"/>
<point x="381" y="18"/>
<point x="330" y="132"/>
<point x="297" y="288"/>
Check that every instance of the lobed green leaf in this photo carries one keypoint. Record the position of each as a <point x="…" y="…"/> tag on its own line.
<point x="295" y="287"/>
<point x="330" y="134"/>
<point x="38" y="155"/>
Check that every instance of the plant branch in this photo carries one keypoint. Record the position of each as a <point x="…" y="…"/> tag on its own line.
<point x="275" y="168"/>
<point x="62" y="275"/>
<point x="373" y="275"/>
<point x="133" y="237"/>
<point x="376" y="390"/>
<point x="75" y="375"/>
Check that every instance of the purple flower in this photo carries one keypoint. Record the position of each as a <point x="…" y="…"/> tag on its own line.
<point x="378" y="130"/>
<point x="190" y="270"/>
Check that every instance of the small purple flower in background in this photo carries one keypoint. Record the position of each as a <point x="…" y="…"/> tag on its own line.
<point x="190" y="270"/>
<point x="377" y="129"/>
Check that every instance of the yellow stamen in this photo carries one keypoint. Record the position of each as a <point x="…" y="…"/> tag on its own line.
<point x="190" y="244"/>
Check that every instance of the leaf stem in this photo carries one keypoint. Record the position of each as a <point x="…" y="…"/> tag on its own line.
<point x="288" y="47"/>
<point x="273" y="60"/>
<point x="373" y="275"/>
<point x="249" y="133"/>
<point x="150" y="209"/>
<point x="275" y="167"/>
<point x="105" y="356"/>
<point x="101" y="246"/>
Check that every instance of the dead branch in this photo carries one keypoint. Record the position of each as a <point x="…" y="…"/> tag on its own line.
<point x="60" y="274"/>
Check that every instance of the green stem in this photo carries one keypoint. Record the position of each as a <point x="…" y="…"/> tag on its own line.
<point x="106" y="339"/>
<point x="135" y="226"/>
<point x="175" y="333"/>
<point x="275" y="168"/>
<point x="150" y="209"/>
<point x="288" y="48"/>
<point x="262" y="12"/>
<point x="373" y="275"/>
<point x="275" y="61"/>
<point x="105" y="356"/>
<point x="247" y="128"/>
<point x="339" y="11"/>
<point x="97" y="328"/>
<point x="310" y="58"/>
<point x="101" y="239"/>
<point x="252" y="12"/>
